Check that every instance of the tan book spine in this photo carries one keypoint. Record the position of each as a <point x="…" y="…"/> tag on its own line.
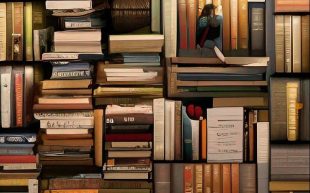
<point x="198" y="178"/>
<point x="243" y="24"/>
<point x="296" y="38"/>
<point x="217" y="178"/>
<point x="3" y="31"/>
<point x="279" y="43"/>
<point x="305" y="41"/>
<point x="235" y="178"/>
<point x="19" y="84"/>
<point x="207" y="179"/>
<point x="234" y="24"/>
<point x="17" y="39"/>
<point x="99" y="128"/>
<point x="226" y="173"/>
<point x="288" y="42"/>
<point x="28" y="31"/>
<point x="226" y="25"/>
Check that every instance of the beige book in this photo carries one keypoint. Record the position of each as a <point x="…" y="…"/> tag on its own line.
<point x="234" y="24"/>
<point x="78" y="36"/>
<point x="169" y="10"/>
<point x="129" y="154"/>
<point x="288" y="42"/>
<point x="3" y="31"/>
<point x="156" y="16"/>
<point x="296" y="38"/>
<point x="66" y="131"/>
<point x="72" y="100"/>
<point x="159" y="128"/>
<point x="241" y="102"/>
<point x="243" y="24"/>
<point x="279" y="43"/>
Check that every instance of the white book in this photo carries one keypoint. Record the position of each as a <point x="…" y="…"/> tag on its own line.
<point x="159" y="128"/>
<point x="6" y="100"/>
<point x="116" y="109"/>
<point x="33" y="186"/>
<point x="19" y="166"/>
<point x="123" y="70"/>
<point x="64" y="115"/>
<point x="169" y="9"/>
<point x="62" y="5"/>
<point x="66" y="131"/>
<point x="132" y="74"/>
<point x="195" y="139"/>
<point x="225" y="134"/>
<point x="67" y="124"/>
<point x="3" y="31"/>
<point x="262" y="157"/>
<point x="168" y="120"/>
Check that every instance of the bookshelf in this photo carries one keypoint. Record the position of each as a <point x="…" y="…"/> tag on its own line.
<point x="139" y="114"/>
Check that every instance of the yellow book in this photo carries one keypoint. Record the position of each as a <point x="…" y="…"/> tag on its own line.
<point x="289" y="186"/>
<point x="28" y="30"/>
<point x="14" y="182"/>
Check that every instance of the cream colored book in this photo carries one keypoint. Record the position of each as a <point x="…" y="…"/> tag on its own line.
<point x="3" y="31"/>
<point x="66" y="131"/>
<point x="159" y="128"/>
<point x="296" y="35"/>
<point x="288" y="43"/>
<point x="169" y="10"/>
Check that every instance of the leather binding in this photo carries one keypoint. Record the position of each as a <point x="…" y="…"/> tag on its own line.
<point x="235" y="178"/>
<point x="243" y="24"/>
<point x="251" y="136"/>
<point x="226" y="172"/>
<point x="288" y="43"/>
<point x="182" y="21"/>
<point x="305" y="58"/>
<point x="28" y="94"/>
<point x="191" y="7"/>
<point x="217" y="178"/>
<point x="226" y="26"/>
<point x="207" y="178"/>
<point x="234" y="24"/>
<point x="204" y="139"/>
<point x="9" y="31"/>
<point x="198" y="178"/>
<point x="178" y="131"/>
<point x="19" y="88"/>
<point x="17" y="36"/>
<point x="279" y="43"/>
<point x="99" y="135"/>
<point x="296" y="39"/>
<point x="188" y="178"/>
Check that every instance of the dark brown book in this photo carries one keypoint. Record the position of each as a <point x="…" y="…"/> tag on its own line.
<point x="178" y="131"/>
<point x="51" y="148"/>
<point x="128" y="161"/>
<point x="251" y="136"/>
<point x="129" y="119"/>
<point x="65" y="183"/>
<point x="18" y="35"/>
<point x="247" y="178"/>
<point x="305" y="58"/>
<point x="28" y="94"/>
<point x="69" y="92"/>
<point x="263" y="115"/>
<point x="162" y="179"/>
<point x="182" y="24"/>
<point x="71" y="142"/>
<point x="257" y="28"/>
<point x="9" y="31"/>
<point x="99" y="136"/>
<point x="127" y="184"/>
<point x="48" y="107"/>
<point x="86" y="162"/>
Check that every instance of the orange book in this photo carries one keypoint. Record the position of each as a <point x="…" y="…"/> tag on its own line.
<point x="226" y="172"/>
<point x="226" y="25"/>
<point x="292" y="6"/>
<point x="234" y="178"/>
<point x="217" y="178"/>
<point x="99" y="132"/>
<point x="234" y="24"/>
<point x="188" y="178"/>
<point x="204" y="139"/>
<point x="207" y="178"/>
<point x="251" y="136"/>
<point x="243" y="24"/>
<point x="19" y="87"/>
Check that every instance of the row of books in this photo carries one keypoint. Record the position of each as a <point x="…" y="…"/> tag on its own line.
<point x="292" y="43"/>
<point x="17" y="84"/>
<point x="222" y="134"/>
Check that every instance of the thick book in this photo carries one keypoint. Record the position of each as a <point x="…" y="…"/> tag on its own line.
<point x="304" y="114"/>
<point x="69" y="4"/>
<point x="131" y="119"/>
<point x="6" y="96"/>
<point x="56" y="56"/>
<point x="257" y="28"/>
<point x="248" y="178"/>
<point x="9" y="31"/>
<point x="178" y="150"/>
<point x="66" y="84"/>
<point x="18" y="159"/>
<point x="54" y="107"/>
<point x="226" y="26"/>
<point x="162" y="180"/>
<point x="234" y="24"/>
<point x="241" y="102"/>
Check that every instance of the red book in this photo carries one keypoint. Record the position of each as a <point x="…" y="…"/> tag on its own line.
<point x="182" y="24"/>
<point x="191" y="6"/>
<point x="18" y="159"/>
<point x="19" y="99"/>
<point x="129" y="137"/>
<point x="188" y="178"/>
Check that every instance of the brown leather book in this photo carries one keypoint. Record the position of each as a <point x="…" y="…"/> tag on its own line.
<point x="65" y="183"/>
<point x="19" y="87"/>
<point x="204" y="139"/>
<point x="251" y="136"/>
<point x="226" y="26"/>
<point x="99" y="132"/>
<point x="9" y="30"/>
<point x="132" y="119"/>
<point x="178" y="131"/>
<point x="188" y="178"/>
<point x="71" y="142"/>
<point x="243" y="24"/>
<point x="217" y="178"/>
<point x="226" y="173"/>
<point x="198" y="188"/>
<point x="48" y="107"/>
<point x="235" y="178"/>
<point x="191" y="9"/>
<point x="207" y="178"/>
<point x="182" y="20"/>
<point x="279" y="42"/>
<point x="305" y="58"/>
<point x="17" y="39"/>
<point x="234" y="24"/>
<point x="73" y="136"/>
<point x="28" y="94"/>
<point x="292" y="6"/>
<point x="66" y="84"/>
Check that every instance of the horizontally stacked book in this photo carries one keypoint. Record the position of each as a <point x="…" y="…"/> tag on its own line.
<point x="128" y="142"/>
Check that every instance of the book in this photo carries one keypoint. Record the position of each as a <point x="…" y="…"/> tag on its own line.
<point x="162" y="180"/>
<point x="305" y="60"/>
<point x="169" y="12"/>
<point x="229" y="120"/>
<point x="257" y="28"/>
<point x="234" y="24"/>
<point x="3" y="37"/>
<point x="288" y="43"/>
<point x="243" y="24"/>
<point x="6" y="97"/>
<point x="279" y="43"/>
<point x="18" y="33"/>
<point x="241" y="102"/>
<point x="283" y="6"/>
<point x="79" y="4"/>
<point x="248" y="178"/>
<point x="296" y="46"/>
<point x="99" y="132"/>
<point x="159" y="128"/>
<point x="66" y="84"/>
<point x="297" y="186"/>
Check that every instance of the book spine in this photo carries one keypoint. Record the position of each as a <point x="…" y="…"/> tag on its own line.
<point x="132" y="119"/>
<point x="191" y="9"/>
<point x="58" y="183"/>
<point x="3" y="31"/>
<point x="204" y="139"/>
<point x="29" y="88"/>
<point x="9" y="30"/>
<point x="168" y="119"/>
<point x="292" y="110"/>
<point x="234" y="24"/>
<point x="305" y="41"/>
<point x="207" y="178"/>
<point x="169" y="10"/>
<point x="19" y="84"/>
<point x="195" y="139"/>
<point x="67" y="124"/>
<point x="198" y="178"/>
<point x="187" y="136"/>
<point x="226" y="26"/>
<point x="262" y="156"/>
<point x="159" y="128"/>
<point x="188" y="178"/>
<point x="33" y="186"/>
<point x="17" y="39"/>
<point x="217" y="178"/>
<point x="234" y="178"/>
<point x="177" y="178"/>
<point x="28" y="31"/>
<point x="296" y="39"/>
<point x="6" y="100"/>
<point x="251" y="136"/>
<point x="243" y="32"/>
<point x="226" y="178"/>
<point x="172" y="130"/>
<point x="183" y="42"/>
<point x="81" y="74"/>
<point x="178" y="131"/>
<point x="280" y="42"/>
<point x="258" y="29"/>
<point x="99" y="132"/>
<point x="162" y="181"/>
<point x="288" y="42"/>
<point x="156" y="16"/>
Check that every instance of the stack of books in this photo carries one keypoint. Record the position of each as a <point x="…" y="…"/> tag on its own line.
<point x="128" y="142"/>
